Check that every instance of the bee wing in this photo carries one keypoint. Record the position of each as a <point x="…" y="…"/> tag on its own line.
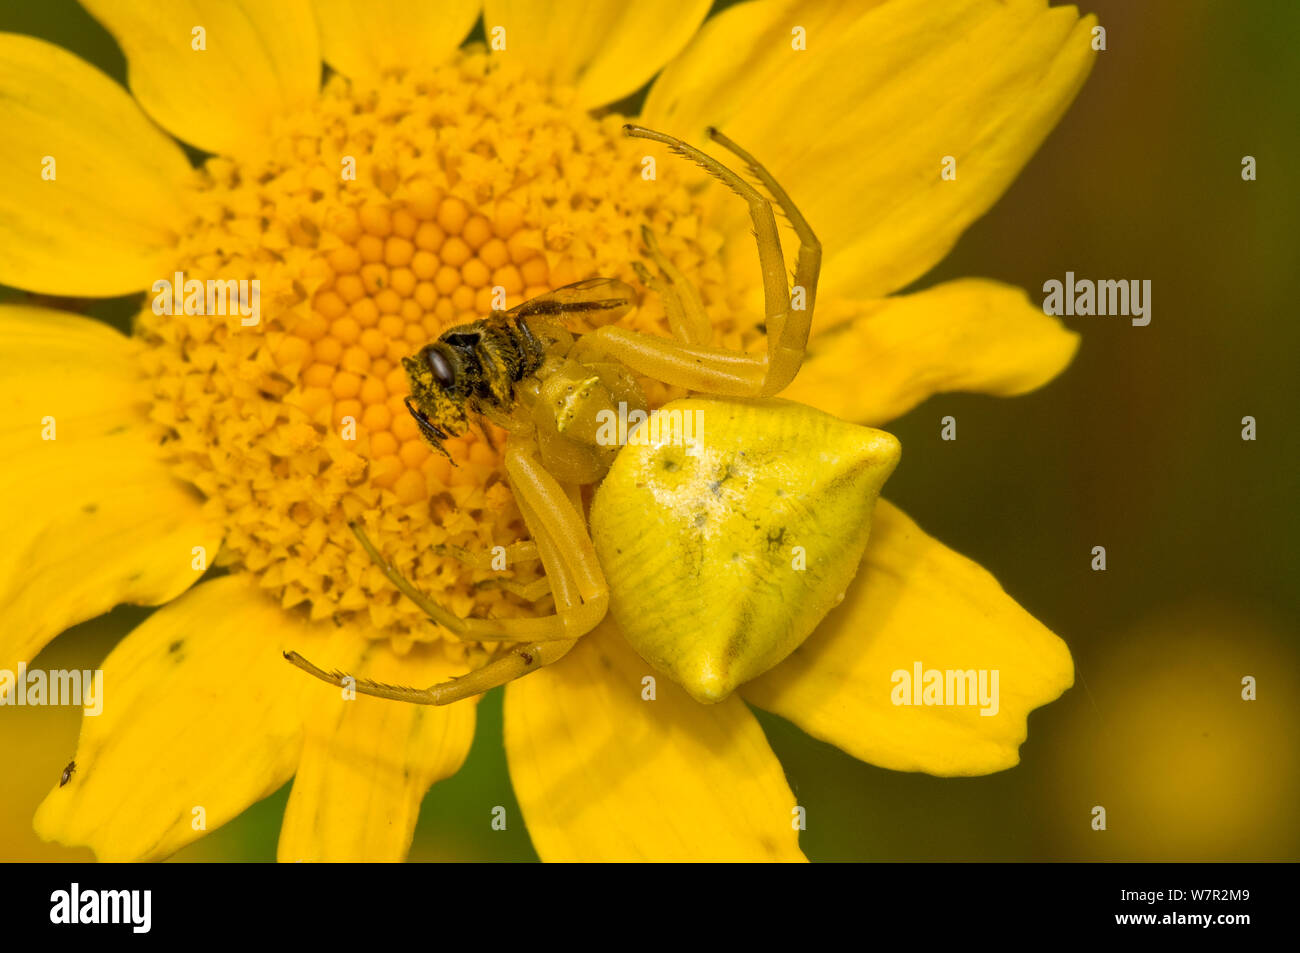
<point x="597" y="300"/>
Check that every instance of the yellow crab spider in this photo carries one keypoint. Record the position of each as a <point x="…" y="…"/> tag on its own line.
<point x="721" y="532"/>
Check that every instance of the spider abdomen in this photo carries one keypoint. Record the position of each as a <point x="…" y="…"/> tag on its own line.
<point x="724" y="553"/>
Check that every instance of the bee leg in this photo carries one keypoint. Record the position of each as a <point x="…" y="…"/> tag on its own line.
<point x="682" y="303"/>
<point x="719" y="370"/>
<point x="486" y="432"/>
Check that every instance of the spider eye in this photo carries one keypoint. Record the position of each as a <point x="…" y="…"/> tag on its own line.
<point x="441" y="368"/>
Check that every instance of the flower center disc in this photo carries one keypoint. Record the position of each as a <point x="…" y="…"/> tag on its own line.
<point x="373" y="222"/>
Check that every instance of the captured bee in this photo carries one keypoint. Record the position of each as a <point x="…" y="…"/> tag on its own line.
<point x="684" y="517"/>
<point x="66" y="776"/>
<point x="493" y="368"/>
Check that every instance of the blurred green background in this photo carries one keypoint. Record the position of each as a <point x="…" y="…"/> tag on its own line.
<point x="1136" y="448"/>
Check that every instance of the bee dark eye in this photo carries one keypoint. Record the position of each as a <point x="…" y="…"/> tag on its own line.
<point x="441" y="368"/>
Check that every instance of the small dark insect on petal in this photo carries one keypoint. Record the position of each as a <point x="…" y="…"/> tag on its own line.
<point x="67" y="773"/>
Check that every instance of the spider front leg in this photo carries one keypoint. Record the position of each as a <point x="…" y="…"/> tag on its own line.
<point x="718" y="370"/>
<point x="569" y="558"/>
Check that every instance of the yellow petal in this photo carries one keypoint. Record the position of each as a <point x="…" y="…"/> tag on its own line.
<point x="914" y="601"/>
<point x="90" y="188"/>
<point x="200" y="711"/>
<point x="363" y="38"/>
<point x="607" y="49"/>
<point x="966" y="335"/>
<point x="367" y="762"/>
<point x="602" y="774"/>
<point x="856" y="126"/>
<point x="258" y="61"/>
<point x="92" y="517"/>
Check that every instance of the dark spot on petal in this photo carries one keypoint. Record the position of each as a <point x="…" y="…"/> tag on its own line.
<point x="527" y="657"/>
<point x="90" y="508"/>
<point x="737" y="645"/>
<point x="176" y="646"/>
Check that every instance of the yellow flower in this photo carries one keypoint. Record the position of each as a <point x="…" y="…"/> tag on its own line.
<point x="475" y="170"/>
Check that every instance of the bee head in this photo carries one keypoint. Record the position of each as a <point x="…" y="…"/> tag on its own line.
<point x="437" y="400"/>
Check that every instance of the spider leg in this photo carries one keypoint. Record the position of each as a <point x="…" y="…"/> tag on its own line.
<point x="682" y="303"/>
<point x="505" y="669"/>
<point x="528" y="591"/>
<point x="808" y="259"/>
<point x="719" y="370"/>
<point x="521" y="552"/>
<point x="579" y="587"/>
